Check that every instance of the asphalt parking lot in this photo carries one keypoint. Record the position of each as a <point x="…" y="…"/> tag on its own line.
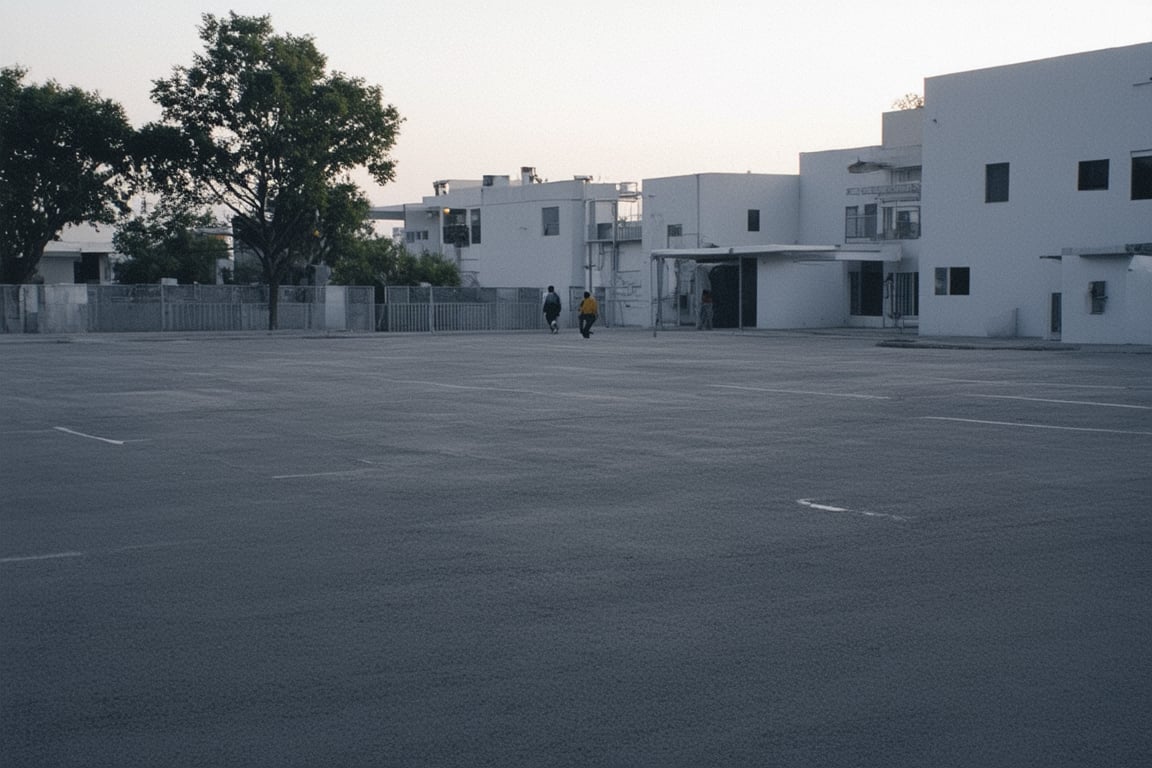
<point x="689" y="549"/>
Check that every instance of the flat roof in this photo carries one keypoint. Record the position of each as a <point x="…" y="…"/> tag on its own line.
<point x="801" y="252"/>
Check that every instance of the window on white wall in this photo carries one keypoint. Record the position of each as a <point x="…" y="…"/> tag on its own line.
<point x="753" y="220"/>
<point x="1142" y="176"/>
<point x="475" y="216"/>
<point x="1092" y="175"/>
<point x="550" y="219"/>
<point x="952" y="281"/>
<point x="996" y="183"/>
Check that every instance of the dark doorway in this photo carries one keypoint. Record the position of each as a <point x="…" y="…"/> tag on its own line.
<point x="872" y="288"/>
<point x="726" y="286"/>
<point x="87" y="270"/>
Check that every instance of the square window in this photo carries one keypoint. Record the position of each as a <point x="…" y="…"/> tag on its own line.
<point x="1142" y="177"/>
<point x="996" y="183"/>
<point x="753" y="220"/>
<point x="1093" y="174"/>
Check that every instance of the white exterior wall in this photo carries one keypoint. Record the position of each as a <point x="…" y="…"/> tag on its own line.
<point x="712" y="208"/>
<point x="791" y="294"/>
<point x="513" y="250"/>
<point x="1042" y="118"/>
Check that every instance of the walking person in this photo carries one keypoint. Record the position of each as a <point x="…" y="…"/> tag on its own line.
<point x="552" y="309"/>
<point x="588" y="311"/>
<point x="705" y="323"/>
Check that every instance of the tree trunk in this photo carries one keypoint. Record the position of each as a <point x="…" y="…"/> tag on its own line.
<point x="273" y="302"/>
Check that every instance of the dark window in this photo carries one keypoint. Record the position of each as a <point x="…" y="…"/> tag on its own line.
<point x="475" y="226"/>
<point x="1093" y="175"/>
<point x="952" y="281"/>
<point x="1098" y="290"/>
<point x="753" y="220"/>
<point x="675" y="230"/>
<point x="456" y="227"/>
<point x="550" y="217"/>
<point x="996" y="183"/>
<point x="1142" y="177"/>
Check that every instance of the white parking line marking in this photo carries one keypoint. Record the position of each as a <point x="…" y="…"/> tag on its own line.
<point x="337" y="473"/>
<point x="801" y="392"/>
<point x="511" y="391"/>
<point x="1065" y="402"/>
<point x="1036" y="426"/>
<point x="827" y="508"/>
<point x="40" y="557"/>
<point x="90" y="437"/>
<point x="1001" y="383"/>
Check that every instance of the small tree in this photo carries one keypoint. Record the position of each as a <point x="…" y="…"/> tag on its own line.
<point x="168" y="241"/>
<point x="257" y="126"/>
<point x="909" y="101"/>
<point x="65" y="158"/>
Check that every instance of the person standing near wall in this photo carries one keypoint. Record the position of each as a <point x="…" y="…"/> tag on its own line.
<point x="588" y="311"/>
<point x="705" y="323"/>
<point x="552" y="309"/>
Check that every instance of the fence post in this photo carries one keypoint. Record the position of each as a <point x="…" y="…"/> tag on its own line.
<point x="431" y="309"/>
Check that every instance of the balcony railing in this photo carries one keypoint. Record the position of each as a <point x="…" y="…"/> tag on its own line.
<point x="625" y="230"/>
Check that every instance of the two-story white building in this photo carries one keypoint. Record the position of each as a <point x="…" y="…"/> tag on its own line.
<point x="1038" y="199"/>
<point x="522" y="232"/>
<point x="1016" y="202"/>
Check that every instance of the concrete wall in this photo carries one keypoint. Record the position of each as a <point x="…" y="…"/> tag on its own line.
<point x="1042" y="118"/>
<point x="513" y="249"/>
<point x="793" y="294"/>
<point x="712" y="208"/>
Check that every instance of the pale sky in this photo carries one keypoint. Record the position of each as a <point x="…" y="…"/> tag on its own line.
<point x="620" y="91"/>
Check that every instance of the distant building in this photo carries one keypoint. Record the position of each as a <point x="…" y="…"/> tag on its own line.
<point x="519" y="232"/>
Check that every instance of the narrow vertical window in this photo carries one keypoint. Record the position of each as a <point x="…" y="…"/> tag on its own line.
<point x="996" y="183"/>
<point x="475" y="213"/>
<point x="1098" y="292"/>
<point x="1142" y="177"/>
<point x="550" y="219"/>
<point x="753" y="220"/>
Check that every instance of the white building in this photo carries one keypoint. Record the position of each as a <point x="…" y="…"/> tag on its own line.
<point x="1038" y="199"/>
<point x="1016" y="202"/>
<point x="503" y="232"/>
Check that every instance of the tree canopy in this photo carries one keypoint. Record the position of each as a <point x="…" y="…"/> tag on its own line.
<point x="909" y="101"/>
<point x="65" y="158"/>
<point x="382" y="262"/>
<point x="257" y="126"/>
<point x="168" y="241"/>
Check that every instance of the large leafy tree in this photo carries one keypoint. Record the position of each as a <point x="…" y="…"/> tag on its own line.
<point x="65" y="158"/>
<point x="257" y="126"/>
<point x="170" y="240"/>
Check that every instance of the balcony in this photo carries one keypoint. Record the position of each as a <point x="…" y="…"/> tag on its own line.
<point x="625" y="230"/>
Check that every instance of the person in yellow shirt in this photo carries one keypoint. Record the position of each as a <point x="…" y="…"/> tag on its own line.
<point x="588" y="311"/>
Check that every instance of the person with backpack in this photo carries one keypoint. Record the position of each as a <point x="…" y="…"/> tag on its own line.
<point x="552" y="309"/>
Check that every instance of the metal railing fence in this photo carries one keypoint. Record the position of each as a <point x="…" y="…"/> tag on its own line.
<point x="161" y="308"/>
<point x="191" y="308"/>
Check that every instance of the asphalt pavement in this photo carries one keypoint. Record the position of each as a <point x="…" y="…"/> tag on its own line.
<point x="680" y="549"/>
